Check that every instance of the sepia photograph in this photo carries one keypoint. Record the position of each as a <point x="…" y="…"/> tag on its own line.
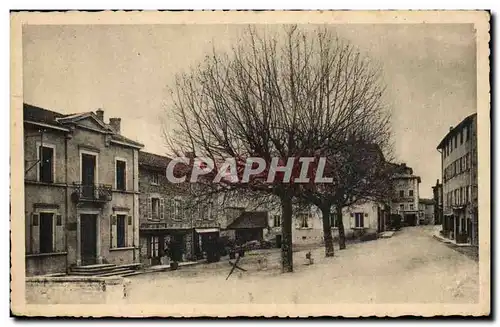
<point x="278" y="164"/>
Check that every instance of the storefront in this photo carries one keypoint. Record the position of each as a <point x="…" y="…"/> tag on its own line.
<point x="205" y="241"/>
<point x="156" y="239"/>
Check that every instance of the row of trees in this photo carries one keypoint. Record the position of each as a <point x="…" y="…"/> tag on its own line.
<point x="296" y="93"/>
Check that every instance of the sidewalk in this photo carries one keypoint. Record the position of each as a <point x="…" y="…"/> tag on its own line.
<point x="472" y="251"/>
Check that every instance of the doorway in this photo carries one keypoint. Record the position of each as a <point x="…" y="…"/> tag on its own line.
<point x="88" y="238"/>
<point x="154" y="249"/>
<point x="88" y="174"/>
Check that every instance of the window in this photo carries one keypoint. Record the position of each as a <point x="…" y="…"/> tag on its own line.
<point x="410" y="192"/>
<point x="177" y="209"/>
<point x="121" y="167"/>
<point x="154" y="246"/>
<point x="467" y="133"/>
<point x="467" y="194"/>
<point x="210" y="211"/>
<point x="462" y="136"/>
<point x="155" y="179"/>
<point x="46" y="164"/>
<point x="46" y="232"/>
<point x="120" y="230"/>
<point x="401" y="207"/>
<point x="333" y="219"/>
<point x="411" y="206"/>
<point x="456" y="141"/>
<point x="359" y="220"/>
<point x="155" y="208"/>
<point x="304" y="221"/>
<point x="401" y="194"/>
<point x="277" y="220"/>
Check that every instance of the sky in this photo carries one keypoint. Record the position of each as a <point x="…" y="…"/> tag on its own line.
<point x="127" y="70"/>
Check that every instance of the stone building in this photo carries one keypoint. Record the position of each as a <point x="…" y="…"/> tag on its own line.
<point x="81" y="191"/>
<point x="437" y="194"/>
<point x="426" y="211"/>
<point x="168" y="214"/>
<point x="458" y="151"/>
<point x="405" y="200"/>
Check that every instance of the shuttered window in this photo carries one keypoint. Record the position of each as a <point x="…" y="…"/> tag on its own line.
<point x="120" y="231"/>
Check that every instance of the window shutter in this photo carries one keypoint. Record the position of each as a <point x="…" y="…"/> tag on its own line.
<point x="162" y="208"/>
<point x="148" y="209"/>
<point x="113" y="231"/>
<point x="130" y="232"/>
<point x="168" y="209"/>
<point x="35" y="233"/>
<point x="352" y="221"/>
<point x="35" y="218"/>
<point x="148" y="245"/>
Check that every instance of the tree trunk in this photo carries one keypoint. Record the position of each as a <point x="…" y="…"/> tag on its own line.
<point x="286" y="231"/>
<point x="340" y="223"/>
<point x="327" y="231"/>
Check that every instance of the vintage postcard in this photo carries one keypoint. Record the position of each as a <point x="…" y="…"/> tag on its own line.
<point x="277" y="164"/>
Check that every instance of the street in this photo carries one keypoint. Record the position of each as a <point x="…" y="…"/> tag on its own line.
<point x="410" y="267"/>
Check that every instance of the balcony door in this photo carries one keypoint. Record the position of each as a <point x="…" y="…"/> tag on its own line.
<point x="88" y="174"/>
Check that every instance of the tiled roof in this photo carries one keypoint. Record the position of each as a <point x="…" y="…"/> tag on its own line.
<point x="121" y="138"/>
<point x="426" y="201"/>
<point x="41" y="115"/>
<point x="153" y="160"/>
<point x="250" y="219"/>
<point x="452" y="132"/>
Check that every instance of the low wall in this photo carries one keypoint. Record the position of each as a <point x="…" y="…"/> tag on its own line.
<point x="76" y="290"/>
<point x="44" y="264"/>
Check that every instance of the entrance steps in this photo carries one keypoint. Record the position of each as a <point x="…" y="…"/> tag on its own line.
<point x="105" y="270"/>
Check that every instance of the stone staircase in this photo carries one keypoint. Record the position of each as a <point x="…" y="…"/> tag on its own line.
<point x="105" y="270"/>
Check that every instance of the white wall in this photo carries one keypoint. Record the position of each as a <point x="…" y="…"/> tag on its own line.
<point x="313" y="234"/>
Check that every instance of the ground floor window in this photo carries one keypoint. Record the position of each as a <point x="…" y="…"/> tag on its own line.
<point x="277" y="221"/>
<point x="154" y="246"/>
<point x="46" y="232"/>
<point x="333" y="219"/>
<point x="120" y="231"/>
<point x="359" y="218"/>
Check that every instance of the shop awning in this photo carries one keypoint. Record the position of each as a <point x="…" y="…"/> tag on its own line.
<point x="206" y="230"/>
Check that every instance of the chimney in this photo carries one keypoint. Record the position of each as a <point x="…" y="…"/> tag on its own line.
<point x="115" y="124"/>
<point x="100" y="114"/>
<point x="451" y="128"/>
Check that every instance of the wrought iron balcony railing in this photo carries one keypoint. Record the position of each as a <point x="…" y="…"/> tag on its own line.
<point x="92" y="192"/>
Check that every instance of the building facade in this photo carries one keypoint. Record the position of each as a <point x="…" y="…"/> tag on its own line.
<point x="405" y="200"/>
<point x="426" y="211"/>
<point x="437" y="193"/>
<point x="168" y="214"/>
<point x="458" y="151"/>
<point x="369" y="217"/>
<point x="81" y="191"/>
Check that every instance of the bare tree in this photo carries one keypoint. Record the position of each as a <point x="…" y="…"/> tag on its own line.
<point x="290" y="95"/>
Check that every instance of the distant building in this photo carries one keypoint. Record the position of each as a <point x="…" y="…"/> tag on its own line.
<point x="437" y="191"/>
<point x="458" y="151"/>
<point x="405" y="200"/>
<point x="166" y="214"/>
<point x="81" y="191"/>
<point x="368" y="217"/>
<point x="426" y="211"/>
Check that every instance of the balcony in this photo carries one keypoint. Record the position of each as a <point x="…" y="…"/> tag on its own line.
<point x="92" y="193"/>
